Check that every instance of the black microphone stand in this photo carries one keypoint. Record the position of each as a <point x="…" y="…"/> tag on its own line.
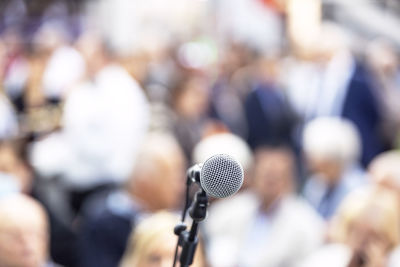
<point x="188" y="240"/>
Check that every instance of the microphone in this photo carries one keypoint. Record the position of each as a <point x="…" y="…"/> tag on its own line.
<point x="219" y="176"/>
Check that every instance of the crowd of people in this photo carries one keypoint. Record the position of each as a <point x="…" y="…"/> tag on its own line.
<point x="97" y="132"/>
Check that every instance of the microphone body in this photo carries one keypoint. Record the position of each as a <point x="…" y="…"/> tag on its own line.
<point x="219" y="176"/>
<point x="193" y="174"/>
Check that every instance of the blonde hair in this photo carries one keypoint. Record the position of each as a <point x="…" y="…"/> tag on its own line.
<point x="374" y="205"/>
<point x="147" y="236"/>
<point x="385" y="168"/>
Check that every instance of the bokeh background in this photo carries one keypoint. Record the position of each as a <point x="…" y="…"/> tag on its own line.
<point x="104" y="104"/>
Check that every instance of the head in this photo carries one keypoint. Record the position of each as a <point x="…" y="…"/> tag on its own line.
<point x="158" y="175"/>
<point x="331" y="40"/>
<point x="224" y="143"/>
<point x="384" y="170"/>
<point x="49" y="37"/>
<point x="382" y="57"/>
<point x="369" y="216"/>
<point x="23" y="232"/>
<point x="274" y="171"/>
<point x="94" y="51"/>
<point x="190" y="96"/>
<point x="303" y="24"/>
<point x="330" y="146"/>
<point x="152" y="243"/>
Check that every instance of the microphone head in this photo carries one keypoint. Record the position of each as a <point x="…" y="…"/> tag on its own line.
<point x="221" y="176"/>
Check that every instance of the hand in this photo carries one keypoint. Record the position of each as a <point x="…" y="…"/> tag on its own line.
<point x="376" y="254"/>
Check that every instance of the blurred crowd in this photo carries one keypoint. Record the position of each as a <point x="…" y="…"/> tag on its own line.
<point x="105" y="104"/>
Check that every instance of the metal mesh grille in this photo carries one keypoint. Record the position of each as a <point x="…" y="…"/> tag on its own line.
<point x="221" y="176"/>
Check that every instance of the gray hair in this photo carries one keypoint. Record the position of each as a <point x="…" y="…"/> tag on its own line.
<point x="332" y="138"/>
<point x="225" y="143"/>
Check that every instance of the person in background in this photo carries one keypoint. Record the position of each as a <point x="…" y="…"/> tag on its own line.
<point x="189" y="101"/>
<point x="383" y="60"/>
<point x="231" y="87"/>
<point x="105" y="119"/>
<point x="65" y="65"/>
<point x="384" y="171"/>
<point x="271" y="120"/>
<point x="16" y="176"/>
<point x="265" y="225"/>
<point x="156" y="183"/>
<point x="363" y="233"/>
<point x="152" y="243"/>
<point x="337" y="84"/>
<point x="24" y="237"/>
<point x="332" y="149"/>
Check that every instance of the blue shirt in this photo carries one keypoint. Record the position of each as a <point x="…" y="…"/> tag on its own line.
<point x="326" y="199"/>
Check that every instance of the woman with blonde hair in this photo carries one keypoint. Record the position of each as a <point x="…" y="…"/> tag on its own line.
<point x="363" y="233"/>
<point x="152" y="244"/>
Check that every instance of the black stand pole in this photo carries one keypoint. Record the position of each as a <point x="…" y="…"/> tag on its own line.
<point x="188" y="239"/>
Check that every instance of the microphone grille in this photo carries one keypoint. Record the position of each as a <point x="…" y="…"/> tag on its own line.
<point x="221" y="176"/>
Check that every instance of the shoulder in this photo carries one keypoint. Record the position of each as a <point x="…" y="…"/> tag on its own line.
<point x="232" y="212"/>
<point x="333" y="255"/>
<point x="297" y="212"/>
<point x="360" y="85"/>
<point x="100" y="217"/>
<point x="354" y="178"/>
<point x="116" y="73"/>
<point x="241" y="202"/>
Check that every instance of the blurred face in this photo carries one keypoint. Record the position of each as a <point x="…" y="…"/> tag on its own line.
<point x="192" y="102"/>
<point x="91" y="49"/>
<point x="23" y="240"/>
<point x="328" y="170"/>
<point x="273" y="174"/>
<point x="168" y="182"/>
<point x="382" y="58"/>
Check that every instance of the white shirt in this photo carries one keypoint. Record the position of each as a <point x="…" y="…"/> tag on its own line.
<point x="104" y="122"/>
<point x="64" y="68"/>
<point x="316" y="90"/>
<point x="255" y="238"/>
<point x="286" y="235"/>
